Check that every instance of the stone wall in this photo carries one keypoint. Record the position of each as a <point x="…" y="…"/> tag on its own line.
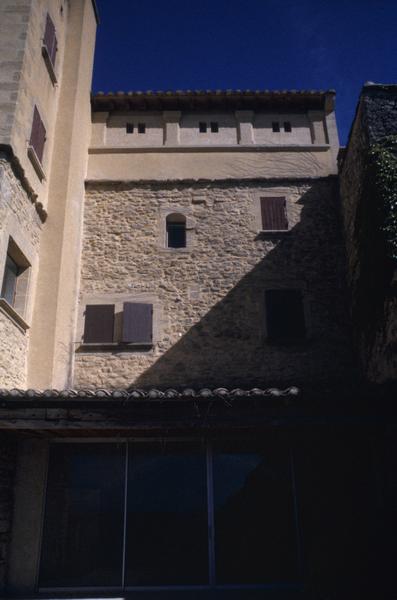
<point x="210" y="324"/>
<point x="7" y="471"/>
<point x="19" y="220"/>
<point x="370" y="271"/>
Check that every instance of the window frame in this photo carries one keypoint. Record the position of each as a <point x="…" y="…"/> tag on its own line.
<point x="179" y="222"/>
<point x="18" y="308"/>
<point x="212" y="585"/>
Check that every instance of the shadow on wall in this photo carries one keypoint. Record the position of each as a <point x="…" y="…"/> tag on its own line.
<point x="229" y="347"/>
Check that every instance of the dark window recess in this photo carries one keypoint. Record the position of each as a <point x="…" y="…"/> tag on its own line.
<point x="10" y="279"/>
<point x="141" y="128"/>
<point x="176" y="231"/>
<point x="50" y="40"/>
<point x="129" y="128"/>
<point x="203" y="127"/>
<point x="214" y="127"/>
<point x="99" y="323"/>
<point x="285" y="319"/>
<point x="275" y="126"/>
<point x="38" y="135"/>
<point x="137" y="323"/>
<point x="287" y="127"/>
<point x="274" y="215"/>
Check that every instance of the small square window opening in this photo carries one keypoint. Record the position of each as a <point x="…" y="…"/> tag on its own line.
<point x="141" y="128"/>
<point x="202" y="127"/>
<point x="214" y="127"/>
<point x="275" y="126"/>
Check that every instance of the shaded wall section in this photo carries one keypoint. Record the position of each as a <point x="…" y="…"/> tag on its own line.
<point x="371" y="270"/>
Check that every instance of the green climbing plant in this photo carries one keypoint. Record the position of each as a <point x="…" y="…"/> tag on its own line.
<point x="383" y="177"/>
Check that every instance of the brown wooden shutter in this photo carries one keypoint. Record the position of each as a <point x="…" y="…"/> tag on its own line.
<point x="99" y="323"/>
<point x="50" y="40"/>
<point x="137" y="323"/>
<point x="274" y="216"/>
<point x="38" y="135"/>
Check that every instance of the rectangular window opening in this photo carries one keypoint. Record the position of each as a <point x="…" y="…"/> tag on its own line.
<point x="202" y="127"/>
<point x="285" y="318"/>
<point x="141" y="128"/>
<point x="214" y="127"/>
<point x="275" y="126"/>
<point x="129" y="128"/>
<point x="287" y="127"/>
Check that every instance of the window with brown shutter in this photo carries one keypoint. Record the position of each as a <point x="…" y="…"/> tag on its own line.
<point x="50" y="40"/>
<point x="99" y="324"/>
<point x="274" y="214"/>
<point x="137" y="323"/>
<point x="38" y="135"/>
<point x="285" y="318"/>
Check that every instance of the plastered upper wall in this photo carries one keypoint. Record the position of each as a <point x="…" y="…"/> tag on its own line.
<point x="244" y="145"/>
<point x="214" y="164"/>
<point x="110" y="129"/>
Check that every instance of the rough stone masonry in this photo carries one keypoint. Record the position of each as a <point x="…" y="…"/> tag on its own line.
<point x="209" y="323"/>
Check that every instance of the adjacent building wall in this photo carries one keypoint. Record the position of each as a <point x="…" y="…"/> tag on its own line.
<point x="370" y="270"/>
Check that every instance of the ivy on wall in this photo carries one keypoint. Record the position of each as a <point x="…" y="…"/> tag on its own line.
<point x="383" y="178"/>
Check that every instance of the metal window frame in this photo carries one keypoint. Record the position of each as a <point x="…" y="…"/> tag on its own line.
<point x="212" y="585"/>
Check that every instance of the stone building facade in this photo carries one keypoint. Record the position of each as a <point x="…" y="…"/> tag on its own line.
<point x="185" y="372"/>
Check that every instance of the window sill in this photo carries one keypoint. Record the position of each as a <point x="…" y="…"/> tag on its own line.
<point x="113" y="347"/>
<point x="49" y="65"/>
<point x="9" y="311"/>
<point x="183" y="250"/>
<point x="34" y="159"/>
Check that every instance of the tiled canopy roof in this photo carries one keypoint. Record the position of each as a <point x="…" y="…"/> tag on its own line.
<point x="153" y="394"/>
<point x="212" y="99"/>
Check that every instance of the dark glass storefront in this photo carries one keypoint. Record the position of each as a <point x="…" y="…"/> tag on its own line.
<point x="161" y="514"/>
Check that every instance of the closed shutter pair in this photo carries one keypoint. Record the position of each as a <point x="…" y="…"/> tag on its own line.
<point x="274" y="214"/>
<point x="137" y="323"/>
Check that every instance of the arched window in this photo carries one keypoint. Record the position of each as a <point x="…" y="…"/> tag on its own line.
<point x="176" y="230"/>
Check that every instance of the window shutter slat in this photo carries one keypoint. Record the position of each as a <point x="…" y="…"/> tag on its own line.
<point x="274" y="216"/>
<point x="50" y="40"/>
<point x="38" y="135"/>
<point x="99" y="323"/>
<point x="137" y="323"/>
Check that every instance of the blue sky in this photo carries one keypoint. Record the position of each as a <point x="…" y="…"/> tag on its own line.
<point x="248" y="44"/>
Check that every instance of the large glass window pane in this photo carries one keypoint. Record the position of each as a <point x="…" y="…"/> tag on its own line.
<point x="83" y="529"/>
<point x="166" y="515"/>
<point x="255" y="533"/>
